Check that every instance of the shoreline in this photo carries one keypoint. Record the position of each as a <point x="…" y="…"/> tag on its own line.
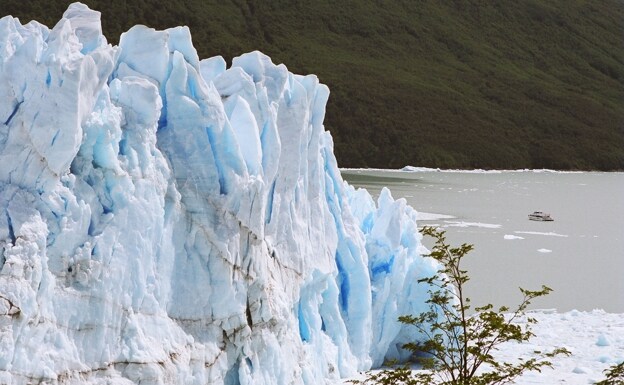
<point x="411" y="169"/>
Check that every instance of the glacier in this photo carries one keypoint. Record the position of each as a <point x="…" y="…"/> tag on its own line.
<point x="170" y="220"/>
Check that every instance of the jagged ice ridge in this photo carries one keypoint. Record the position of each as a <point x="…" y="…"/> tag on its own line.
<point x="168" y="220"/>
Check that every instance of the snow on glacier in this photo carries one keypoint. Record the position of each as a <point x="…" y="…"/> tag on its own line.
<point x="166" y="219"/>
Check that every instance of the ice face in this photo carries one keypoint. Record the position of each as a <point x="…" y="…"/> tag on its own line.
<point x="170" y="220"/>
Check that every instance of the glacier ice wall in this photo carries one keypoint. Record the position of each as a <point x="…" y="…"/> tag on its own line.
<point x="169" y="220"/>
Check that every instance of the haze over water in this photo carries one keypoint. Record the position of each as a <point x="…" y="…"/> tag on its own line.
<point x="580" y="254"/>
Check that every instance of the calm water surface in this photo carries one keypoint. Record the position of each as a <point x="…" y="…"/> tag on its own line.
<point x="580" y="255"/>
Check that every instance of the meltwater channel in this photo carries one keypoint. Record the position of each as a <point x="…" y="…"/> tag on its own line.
<point x="580" y="255"/>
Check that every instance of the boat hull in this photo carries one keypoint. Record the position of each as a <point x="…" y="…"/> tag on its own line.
<point x="540" y="219"/>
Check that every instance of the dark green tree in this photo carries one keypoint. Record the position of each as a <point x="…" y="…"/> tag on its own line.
<point x="459" y="346"/>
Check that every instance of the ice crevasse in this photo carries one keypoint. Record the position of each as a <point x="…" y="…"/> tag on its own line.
<point x="169" y="220"/>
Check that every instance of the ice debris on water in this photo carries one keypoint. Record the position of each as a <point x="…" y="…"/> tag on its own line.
<point x="602" y="340"/>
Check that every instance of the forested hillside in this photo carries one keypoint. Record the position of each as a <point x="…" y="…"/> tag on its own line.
<point x="462" y="84"/>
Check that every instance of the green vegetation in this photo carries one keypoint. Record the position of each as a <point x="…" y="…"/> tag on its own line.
<point x="463" y="83"/>
<point x="458" y="347"/>
<point x="615" y="375"/>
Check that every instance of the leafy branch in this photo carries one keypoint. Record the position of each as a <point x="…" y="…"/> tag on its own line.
<point x="458" y="347"/>
<point x="615" y="375"/>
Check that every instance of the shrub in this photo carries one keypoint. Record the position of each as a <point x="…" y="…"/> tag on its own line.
<point x="459" y="347"/>
<point x="615" y="375"/>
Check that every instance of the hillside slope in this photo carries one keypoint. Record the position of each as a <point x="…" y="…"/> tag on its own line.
<point x="464" y="84"/>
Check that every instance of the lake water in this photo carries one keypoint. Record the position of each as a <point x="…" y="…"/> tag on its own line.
<point x="580" y="255"/>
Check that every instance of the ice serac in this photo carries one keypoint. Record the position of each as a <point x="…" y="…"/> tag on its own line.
<point x="169" y="220"/>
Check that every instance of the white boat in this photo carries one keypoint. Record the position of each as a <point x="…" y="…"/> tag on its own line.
<point x="540" y="216"/>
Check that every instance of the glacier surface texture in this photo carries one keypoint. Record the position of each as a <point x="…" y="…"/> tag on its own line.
<point x="169" y="220"/>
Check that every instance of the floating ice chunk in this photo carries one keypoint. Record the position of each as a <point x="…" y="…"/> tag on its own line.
<point x="580" y="370"/>
<point x="550" y="234"/>
<point x="471" y="224"/>
<point x="422" y="216"/>
<point x="544" y="251"/>
<point x="602" y="340"/>
<point x="510" y="237"/>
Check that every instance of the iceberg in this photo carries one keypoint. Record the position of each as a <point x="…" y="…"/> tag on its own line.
<point x="169" y="220"/>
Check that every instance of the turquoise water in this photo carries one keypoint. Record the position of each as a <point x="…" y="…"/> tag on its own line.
<point x="580" y="254"/>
